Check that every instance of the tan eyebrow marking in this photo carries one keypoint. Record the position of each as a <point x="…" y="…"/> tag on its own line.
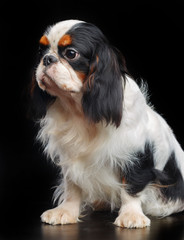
<point x="65" y="40"/>
<point x="44" y="40"/>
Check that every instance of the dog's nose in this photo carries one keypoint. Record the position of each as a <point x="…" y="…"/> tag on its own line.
<point x="48" y="59"/>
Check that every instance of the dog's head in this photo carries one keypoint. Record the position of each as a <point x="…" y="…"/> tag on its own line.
<point x="76" y="58"/>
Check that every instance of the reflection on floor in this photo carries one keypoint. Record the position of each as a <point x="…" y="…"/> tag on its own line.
<point x="95" y="226"/>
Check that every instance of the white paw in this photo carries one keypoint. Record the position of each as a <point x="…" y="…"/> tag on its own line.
<point x="58" y="216"/>
<point x="132" y="220"/>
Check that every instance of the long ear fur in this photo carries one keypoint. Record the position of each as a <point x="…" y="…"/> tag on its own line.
<point x="38" y="100"/>
<point x="103" y="94"/>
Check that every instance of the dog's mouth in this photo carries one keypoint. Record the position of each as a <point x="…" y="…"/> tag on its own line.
<point x="48" y="83"/>
<point x="58" y="78"/>
<point x="45" y="81"/>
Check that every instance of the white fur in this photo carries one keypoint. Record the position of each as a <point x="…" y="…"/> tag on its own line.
<point x="91" y="155"/>
<point x="60" y="73"/>
<point x="55" y="33"/>
<point x="91" y="161"/>
<point x="131" y="214"/>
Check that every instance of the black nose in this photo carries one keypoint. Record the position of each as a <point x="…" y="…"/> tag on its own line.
<point x="48" y="59"/>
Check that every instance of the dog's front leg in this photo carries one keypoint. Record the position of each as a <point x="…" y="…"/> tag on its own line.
<point x="131" y="214"/>
<point x="68" y="211"/>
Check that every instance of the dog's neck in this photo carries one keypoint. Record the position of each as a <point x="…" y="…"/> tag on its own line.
<point x="68" y="107"/>
<point x="70" y="102"/>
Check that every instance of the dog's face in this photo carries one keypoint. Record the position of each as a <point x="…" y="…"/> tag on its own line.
<point x="75" y="57"/>
<point x="63" y="65"/>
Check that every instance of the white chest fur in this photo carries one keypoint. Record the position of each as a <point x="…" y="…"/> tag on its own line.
<point x="81" y="149"/>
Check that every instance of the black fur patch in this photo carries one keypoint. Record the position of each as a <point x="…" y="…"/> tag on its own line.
<point x="104" y="68"/>
<point x="173" y="179"/>
<point x="39" y="102"/>
<point x="142" y="173"/>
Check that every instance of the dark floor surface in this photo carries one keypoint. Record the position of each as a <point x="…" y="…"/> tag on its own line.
<point x="95" y="226"/>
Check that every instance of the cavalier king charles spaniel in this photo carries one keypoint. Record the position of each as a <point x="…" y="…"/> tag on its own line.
<point x="97" y="125"/>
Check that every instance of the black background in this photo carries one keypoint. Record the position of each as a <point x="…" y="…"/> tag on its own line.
<point x="150" y="35"/>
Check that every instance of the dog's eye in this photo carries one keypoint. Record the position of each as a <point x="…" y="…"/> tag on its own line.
<point x="71" y="54"/>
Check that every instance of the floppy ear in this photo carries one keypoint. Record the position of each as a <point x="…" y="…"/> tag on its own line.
<point x="103" y="93"/>
<point x="39" y="100"/>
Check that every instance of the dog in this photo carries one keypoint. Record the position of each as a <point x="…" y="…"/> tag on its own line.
<point x="97" y="125"/>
